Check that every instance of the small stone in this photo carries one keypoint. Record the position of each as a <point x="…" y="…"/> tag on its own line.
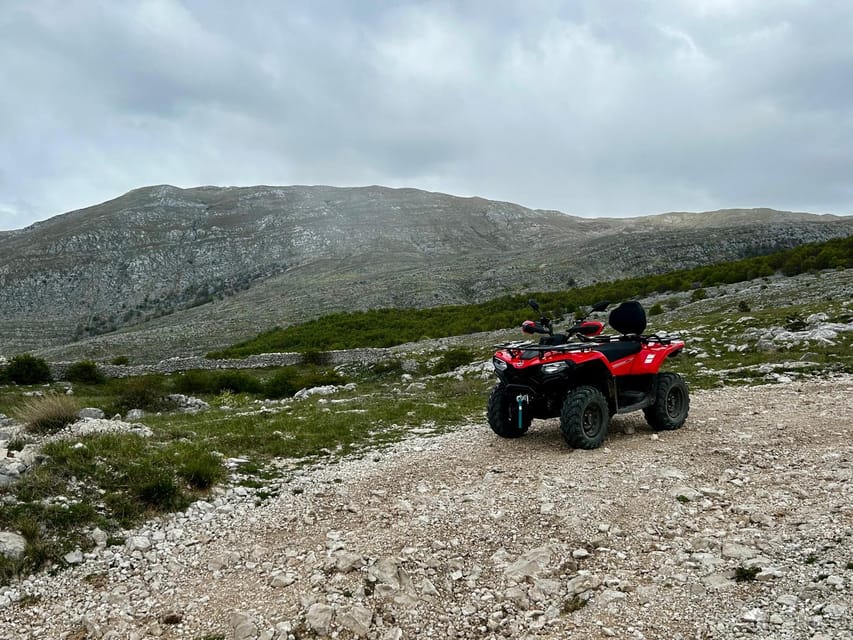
<point x="717" y="582"/>
<point x="91" y="412"/>
<point x="99" y="537"/>
<point x="737" y="551"/>
<point x="280" y="580"/>
<point x="74" y="557"/>
<point x="319" y="618"/>
<point x="12" y="545"/>
<point x="577" y="554"/>
<point x="788" y="600"/>
<point x="356" y="619"/>
<point x="834" y="610"/>
<point x="582" y="583"/>
<point x="754" y="615"/>
<point x="346" y="561"/>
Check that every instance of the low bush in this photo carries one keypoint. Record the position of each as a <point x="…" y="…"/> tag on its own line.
<point x="120" y="361"/>
<point x="452" y="359"/>
<point x="390" y="367"/>
<point x="288" y="380"/>
<point x="48" y="414"/>
<point x="215" y="382"/>
<point x="145" y="392"/>
<point x="202" y="470"/>
<point x="85" y="372"/>
<point x="27" y="369"/>
<point x="157" y="489"/>
<point x="656" y="309"/>
<point x="698" y="294"/>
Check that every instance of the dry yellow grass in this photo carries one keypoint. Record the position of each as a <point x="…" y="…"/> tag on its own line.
<point x="48" y="414"/>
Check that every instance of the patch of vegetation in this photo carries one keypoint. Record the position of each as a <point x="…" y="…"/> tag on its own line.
<point x="288" y="380"/>
<point x="26" y="369"/>
<point x="216" y="382"/>
<point x="145" y="392"/>
<point x="656" y="309"/>
<point x="114" y="481"/>
<point x="120" y="361"/>
<point x="451" y="359"/>
<point x="48" y="414"/>
<point x="746" y="574"/>
<point x="85" y="372"/>
<point x="389" y="327"/>
<point x="698" y="294"/>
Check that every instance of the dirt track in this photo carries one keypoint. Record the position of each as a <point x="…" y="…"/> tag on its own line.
<point x="470" y="536"/>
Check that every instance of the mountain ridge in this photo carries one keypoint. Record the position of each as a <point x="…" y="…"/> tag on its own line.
<point x="208" y="265"/>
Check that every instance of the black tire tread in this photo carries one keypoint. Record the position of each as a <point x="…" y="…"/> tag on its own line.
<point x="657" y="415"/>
<point x="571" y="417"/>
<point x="500" y="415"/>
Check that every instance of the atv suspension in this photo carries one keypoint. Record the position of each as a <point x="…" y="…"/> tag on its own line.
<point x="521" y="399"/>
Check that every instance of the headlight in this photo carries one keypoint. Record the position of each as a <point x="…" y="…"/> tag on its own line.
<point x="553" y="367"/>
<point x="499" y="364"/>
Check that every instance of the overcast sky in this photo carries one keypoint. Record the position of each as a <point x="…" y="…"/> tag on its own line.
<point x="594" y="108"/>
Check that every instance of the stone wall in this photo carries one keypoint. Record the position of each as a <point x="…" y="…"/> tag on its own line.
<point x="261" y="361"/>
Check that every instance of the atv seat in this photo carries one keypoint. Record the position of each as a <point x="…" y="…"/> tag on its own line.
<point x="629" y="318"/>
<point x="617" y="350"/>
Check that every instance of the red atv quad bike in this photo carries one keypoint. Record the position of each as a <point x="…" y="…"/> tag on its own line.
<point x="587" y="381"/>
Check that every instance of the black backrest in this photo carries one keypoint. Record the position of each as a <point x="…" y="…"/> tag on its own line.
<point x="628" y="317"/>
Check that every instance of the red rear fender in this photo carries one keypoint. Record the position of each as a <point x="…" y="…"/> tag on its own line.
<point x="650" y="359"/>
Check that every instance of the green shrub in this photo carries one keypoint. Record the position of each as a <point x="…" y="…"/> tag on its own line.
<point x="451" y="359"/>
<point x="656" y="309"/>
<point x="48" y="414"/>
<point x="391" y="367"/>
<point x="202" y="470"/>
<point x="120" y="361"/>
<point x="85" y="372"/>
<point x="27" y="369"/>
<point x="698" y="294"/>
<point x="672" y="303"/>
<point x="215" y="382"/>
<point x="144" y="392"/>
<point x="387" y="327"/>
<point x="743" y="306"/>
<point x="157" y="489"/>
<point x="288" y="380"/>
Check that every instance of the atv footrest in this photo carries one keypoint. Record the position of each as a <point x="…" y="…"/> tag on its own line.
<point x="632" y="401"/>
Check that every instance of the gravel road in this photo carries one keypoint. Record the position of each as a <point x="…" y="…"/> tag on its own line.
<point x="738" y="525"/>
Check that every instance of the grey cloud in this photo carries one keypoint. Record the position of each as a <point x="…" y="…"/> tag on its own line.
<point x="591" y="107"/>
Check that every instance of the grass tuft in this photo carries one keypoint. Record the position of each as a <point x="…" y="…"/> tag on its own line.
<point x="48" y="414"/>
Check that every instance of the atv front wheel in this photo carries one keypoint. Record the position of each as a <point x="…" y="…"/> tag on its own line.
<point x="502" y="412"/>
<point x="585" y="418"/>
<point x="672" y="403"/>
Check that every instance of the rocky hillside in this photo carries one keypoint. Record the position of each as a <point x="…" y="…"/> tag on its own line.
<point x="180" y="271"/>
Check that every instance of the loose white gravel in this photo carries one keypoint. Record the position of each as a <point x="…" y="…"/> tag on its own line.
<point x="466" y="535"/>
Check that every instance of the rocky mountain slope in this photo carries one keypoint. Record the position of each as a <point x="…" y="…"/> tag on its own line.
<point x="165" y="271"/>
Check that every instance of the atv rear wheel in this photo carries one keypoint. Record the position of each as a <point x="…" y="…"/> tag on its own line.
<point x="585" y="418"/>
<point x="672" y="403"/>
<point x="502" y="412"/>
